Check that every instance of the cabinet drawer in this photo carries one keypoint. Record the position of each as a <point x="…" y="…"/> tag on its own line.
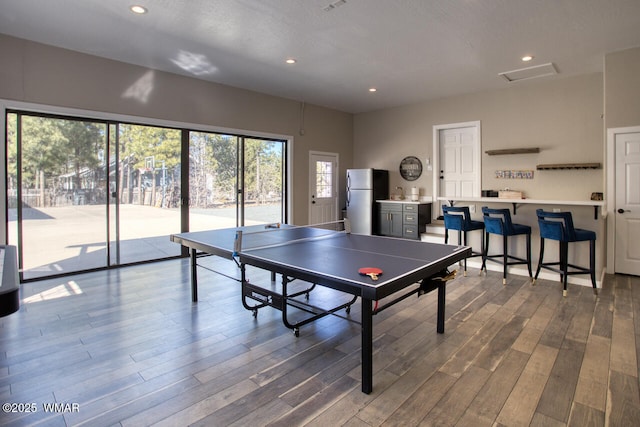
<point x="411" y="232"/>
<point x="411" y="218"/>
<point x="390" y="207"/>
<point x="410" y="208"/>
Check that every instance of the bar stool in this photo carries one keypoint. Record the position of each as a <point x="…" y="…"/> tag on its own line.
<point x="559" y="226"/>
<point x="498" y="221"/>
<point x="459" y="219"/>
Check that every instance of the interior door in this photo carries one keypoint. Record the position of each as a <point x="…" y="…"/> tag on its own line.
<point x="323" y="187"/>
<point x="458" y="162"/>
<point x="627" y="209"/>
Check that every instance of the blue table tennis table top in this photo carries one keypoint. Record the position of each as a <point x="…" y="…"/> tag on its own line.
<point x="330" y="258"/>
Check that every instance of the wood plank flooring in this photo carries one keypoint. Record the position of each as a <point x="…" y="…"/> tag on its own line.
<point x="130" y="349"/>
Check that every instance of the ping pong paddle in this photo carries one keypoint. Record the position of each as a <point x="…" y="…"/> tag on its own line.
<point x="372" y="272"/>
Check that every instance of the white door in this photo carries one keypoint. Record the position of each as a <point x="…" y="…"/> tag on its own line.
<point x="323" y="187"/>
<point x="459" y="161"/>
<point x="627" y="208"/>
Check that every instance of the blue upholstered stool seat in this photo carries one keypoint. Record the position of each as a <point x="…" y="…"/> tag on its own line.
<point x="498" y="221"/>
<point x="459" y="219"/>
<point x="559" y="226"/>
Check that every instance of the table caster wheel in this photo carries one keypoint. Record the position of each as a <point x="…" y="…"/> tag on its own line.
<point x="255" y="313"/>
<point x="296" y="332"/>
<point x="348" y="310"/>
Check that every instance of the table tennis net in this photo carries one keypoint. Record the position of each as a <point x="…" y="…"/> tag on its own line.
<point x="274" y="235"/>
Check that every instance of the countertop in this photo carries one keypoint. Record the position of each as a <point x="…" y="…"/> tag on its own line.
<point x="595" y="203"/>
<point x="530" y="201"/>
<point x="423" y="200"/>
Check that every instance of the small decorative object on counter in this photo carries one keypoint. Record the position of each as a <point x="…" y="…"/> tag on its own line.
<point x="415" y="194"/>
<point x="509" y="194"/>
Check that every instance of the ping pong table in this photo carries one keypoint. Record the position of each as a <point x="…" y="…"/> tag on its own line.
<point x="331" y="259"/>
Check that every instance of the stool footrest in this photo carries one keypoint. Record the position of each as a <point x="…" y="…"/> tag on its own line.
<point x="475" y="254"/>
<point x="500" y="259"/>
<point x="576" y="268"/>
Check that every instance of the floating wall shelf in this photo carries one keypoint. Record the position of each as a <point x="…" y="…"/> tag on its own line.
<point x="569" y="166"/>
<point x="513" y="151"/>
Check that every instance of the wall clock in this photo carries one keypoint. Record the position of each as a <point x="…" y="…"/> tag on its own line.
<point x="411" y="168"/>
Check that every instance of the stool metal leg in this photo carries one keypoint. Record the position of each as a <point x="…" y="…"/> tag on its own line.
<point x="460" y="235"/>
<point x="592" y="265"/>
<point x="540" y="260"/>
<point x="485" y="251"/>
<point x="483" y="267"/>
<point x="505" y="258"/>
<point x="564" y="255"/>
<point x="529" y="256"/>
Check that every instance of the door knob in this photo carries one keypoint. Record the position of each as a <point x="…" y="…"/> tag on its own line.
<point x="623" y="211"/>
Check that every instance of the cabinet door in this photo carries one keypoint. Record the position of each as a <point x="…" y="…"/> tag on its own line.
<point x="390" y="219"/>
<point x="384" y="223"/>
<point x="396" y="224"/>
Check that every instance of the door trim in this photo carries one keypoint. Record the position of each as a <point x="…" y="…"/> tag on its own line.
<point x="610" y="195"/>
<point x="436" y="158"/>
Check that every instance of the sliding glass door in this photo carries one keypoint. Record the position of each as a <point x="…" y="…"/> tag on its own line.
<point x="234" y="181"/>
<point x="89" y="194"/>
<point x="144" y="193"/>
<point x="263" y="178"/>
<point x="57" y="176"/>
<point x="213" y="180"/>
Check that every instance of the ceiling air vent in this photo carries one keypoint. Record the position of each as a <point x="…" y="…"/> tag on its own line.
<point x="334" y="5"/>
<point x="530" y="72"/>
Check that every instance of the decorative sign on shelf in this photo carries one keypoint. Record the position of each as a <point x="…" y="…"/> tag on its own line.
<point x="514" y="174"/>
<point x="411" y="168"/>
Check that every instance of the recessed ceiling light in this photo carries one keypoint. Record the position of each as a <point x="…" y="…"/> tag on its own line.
<point x="373" y="89"/>
<point x="290" y="61"/>
<point x="138" y="9"/>
<point x="527" y="58"/>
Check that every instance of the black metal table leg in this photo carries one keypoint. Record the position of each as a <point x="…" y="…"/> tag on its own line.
<point x="442" y="291"/>
<point x="194" y="276"/>
<point x="367" y="346"/>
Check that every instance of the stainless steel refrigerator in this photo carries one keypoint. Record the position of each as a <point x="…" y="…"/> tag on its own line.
<point x="364" y="187"/>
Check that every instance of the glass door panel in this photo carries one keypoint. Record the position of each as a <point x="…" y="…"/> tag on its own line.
<point x="61" y="191"/>
<point x="212" y="180"/>
<point x="145" y="193"/>
<point x="263" y="181"/>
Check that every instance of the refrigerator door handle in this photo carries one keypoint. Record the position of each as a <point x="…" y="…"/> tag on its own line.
<point x="348" y="195"/>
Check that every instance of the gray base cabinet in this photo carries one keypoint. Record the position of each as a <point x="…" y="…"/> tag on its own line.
<point x="406" y="220"/>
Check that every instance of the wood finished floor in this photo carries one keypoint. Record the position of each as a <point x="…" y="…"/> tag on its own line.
<point x="130" y="349"/>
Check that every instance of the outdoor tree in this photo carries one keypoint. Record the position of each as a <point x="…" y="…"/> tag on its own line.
<point x="84" y="141"/>
<point x="52" y="148"/>
<point x="149" y="147"/>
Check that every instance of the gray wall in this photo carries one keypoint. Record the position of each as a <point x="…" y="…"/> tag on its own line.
<point x="563" y="117"/>
<point x="622" y="88"/>
<point x="36" y="73"/>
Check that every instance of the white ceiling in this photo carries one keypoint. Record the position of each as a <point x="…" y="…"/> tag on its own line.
<point x="410" y="50"/>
